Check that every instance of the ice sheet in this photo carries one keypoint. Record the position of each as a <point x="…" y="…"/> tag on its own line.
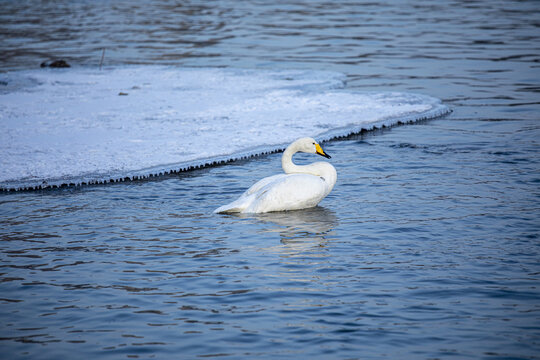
<point x="87" y="126"/>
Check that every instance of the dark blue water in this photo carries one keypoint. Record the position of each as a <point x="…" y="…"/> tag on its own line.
<point x="427" y="247"/>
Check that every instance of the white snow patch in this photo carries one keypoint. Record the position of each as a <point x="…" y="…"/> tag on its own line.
<point x="76" y="125"/>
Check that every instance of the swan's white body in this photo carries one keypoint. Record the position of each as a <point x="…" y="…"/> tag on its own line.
<point x="301" y="187"/>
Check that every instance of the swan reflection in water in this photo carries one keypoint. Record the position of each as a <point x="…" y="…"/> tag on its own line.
<point x="299" y="229"/>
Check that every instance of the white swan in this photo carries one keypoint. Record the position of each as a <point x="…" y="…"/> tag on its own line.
<point x="302" y="186"/>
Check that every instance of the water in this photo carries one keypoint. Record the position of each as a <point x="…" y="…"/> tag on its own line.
<point x="427" y="247"/>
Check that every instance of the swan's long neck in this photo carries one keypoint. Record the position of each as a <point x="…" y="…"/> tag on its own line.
<point x="287" y="164"/>
<point x="321" y="168"/>
<point x="291" y="168"/>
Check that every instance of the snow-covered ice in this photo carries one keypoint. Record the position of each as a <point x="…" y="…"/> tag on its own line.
<point x="85" y="125"/>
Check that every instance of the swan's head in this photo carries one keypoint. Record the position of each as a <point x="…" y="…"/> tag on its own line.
<point x="309" y="145"/>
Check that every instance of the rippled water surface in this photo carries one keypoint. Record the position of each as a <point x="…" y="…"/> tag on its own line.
<point x="427" y="247"/>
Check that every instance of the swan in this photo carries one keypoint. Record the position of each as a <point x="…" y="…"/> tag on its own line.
<point x="301" y="187"/>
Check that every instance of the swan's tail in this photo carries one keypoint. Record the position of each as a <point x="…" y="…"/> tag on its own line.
<point x="236" y="206"/>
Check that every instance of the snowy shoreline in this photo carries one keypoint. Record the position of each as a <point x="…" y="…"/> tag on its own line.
<point x="81" y="126"/>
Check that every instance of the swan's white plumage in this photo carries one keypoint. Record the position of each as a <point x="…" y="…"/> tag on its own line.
<point x="302" y="186"/>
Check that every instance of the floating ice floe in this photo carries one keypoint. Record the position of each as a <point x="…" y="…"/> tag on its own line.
<point x="82" y="126"/>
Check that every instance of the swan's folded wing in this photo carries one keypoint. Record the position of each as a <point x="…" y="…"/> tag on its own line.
<point x="289" y="192"/>
<point x="262" y="183"/>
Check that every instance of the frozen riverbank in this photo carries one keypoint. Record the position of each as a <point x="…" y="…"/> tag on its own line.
<point x="89" y="126"/>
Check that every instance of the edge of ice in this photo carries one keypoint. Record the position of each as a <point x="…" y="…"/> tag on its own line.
<point x="274" y="93"/>
<point x="439" y="110"/>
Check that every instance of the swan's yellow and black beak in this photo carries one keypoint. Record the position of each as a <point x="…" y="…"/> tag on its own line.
<point x="320" y="151"/>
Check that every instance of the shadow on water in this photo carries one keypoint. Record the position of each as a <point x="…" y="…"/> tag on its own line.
<point x="300" y="228"/>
